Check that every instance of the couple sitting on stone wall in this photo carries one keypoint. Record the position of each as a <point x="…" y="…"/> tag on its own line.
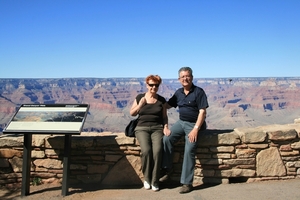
<point x="157" y="140"/>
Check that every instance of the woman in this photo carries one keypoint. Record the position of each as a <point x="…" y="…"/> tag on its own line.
<point x="152" y="125"/>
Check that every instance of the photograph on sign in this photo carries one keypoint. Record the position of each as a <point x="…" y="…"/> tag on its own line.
<point x="48" y="118"/>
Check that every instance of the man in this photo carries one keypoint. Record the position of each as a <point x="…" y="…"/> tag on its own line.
<point x="192" y="103"/>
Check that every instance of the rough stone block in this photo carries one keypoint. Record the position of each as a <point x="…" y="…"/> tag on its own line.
<point x="246" y="153"/>
<point x="222" y="149"/>
<point x="269" y="163"/>
<point x="240" y="161"/>
<point x="295" y="145"/>
<point x="282" y="135"/>
<point x="218" y="137"/>
<point x="289" y="153"/>
<point x="9" y="153"/>
<point x="10" y="141"/>
<point x="37" y="154"/>
<point x="258" y="146"/>
<point x="48" y="163"/>
<point x="251" y="135"/>
<point x="210" y="161"/>
<point x="236" y="173"/>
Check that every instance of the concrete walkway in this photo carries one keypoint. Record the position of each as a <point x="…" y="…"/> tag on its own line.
<point x="266" y="190"/>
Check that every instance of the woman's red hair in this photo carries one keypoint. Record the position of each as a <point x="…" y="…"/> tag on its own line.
<point x="154" y="78"/>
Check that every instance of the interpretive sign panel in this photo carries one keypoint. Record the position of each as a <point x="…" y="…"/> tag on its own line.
<point x="48" y="118"/>
<point x="31" y="119"/>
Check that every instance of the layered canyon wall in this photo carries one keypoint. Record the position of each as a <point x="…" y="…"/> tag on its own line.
<point x="234" y="102"/>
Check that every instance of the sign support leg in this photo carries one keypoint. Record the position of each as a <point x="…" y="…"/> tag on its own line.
<point x="27" y="146"/>
<point x="66" y="164"/>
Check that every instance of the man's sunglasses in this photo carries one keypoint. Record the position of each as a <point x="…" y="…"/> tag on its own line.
<point x="151" y="85"/>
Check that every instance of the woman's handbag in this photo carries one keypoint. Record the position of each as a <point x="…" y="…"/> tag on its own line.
<point x="129" y="130"/>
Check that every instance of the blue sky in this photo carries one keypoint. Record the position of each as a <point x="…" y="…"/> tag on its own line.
<point x="135" y="38"/>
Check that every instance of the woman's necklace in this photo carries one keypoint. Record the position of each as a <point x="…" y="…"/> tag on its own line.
<point x="151" y="100"/>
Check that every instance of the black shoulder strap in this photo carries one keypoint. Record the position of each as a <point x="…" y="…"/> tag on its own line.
<point x="138" y="98"/>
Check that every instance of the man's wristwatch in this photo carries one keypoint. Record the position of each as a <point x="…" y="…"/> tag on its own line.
<point x="196" y="127"/>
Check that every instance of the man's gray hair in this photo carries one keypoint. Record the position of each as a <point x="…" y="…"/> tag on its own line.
<point x="185" y="69"/>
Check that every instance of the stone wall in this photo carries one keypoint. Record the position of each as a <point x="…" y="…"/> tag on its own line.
<point x="112" y="159"/>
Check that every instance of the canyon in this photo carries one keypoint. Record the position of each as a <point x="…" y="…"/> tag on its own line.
<point x="233" y="102"/>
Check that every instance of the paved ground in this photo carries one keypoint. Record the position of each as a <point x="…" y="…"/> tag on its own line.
<point x="266" y="190"/>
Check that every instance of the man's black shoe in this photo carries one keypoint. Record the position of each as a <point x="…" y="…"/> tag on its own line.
<point x="165" y="175"/>
<point x="185" y="189"/>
